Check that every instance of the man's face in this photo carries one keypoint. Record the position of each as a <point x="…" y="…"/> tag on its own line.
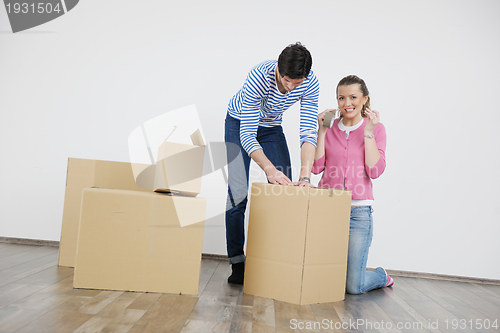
<point x="291" y="84"/>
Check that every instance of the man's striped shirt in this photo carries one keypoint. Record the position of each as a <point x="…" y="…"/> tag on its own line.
<point x="260" y="103"/>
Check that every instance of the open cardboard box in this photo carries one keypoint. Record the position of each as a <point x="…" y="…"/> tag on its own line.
<point x="117" y="234"/>
<point x="297" y="243"/>
<point x="179" y="170"/>
<point x="138" y="241"/>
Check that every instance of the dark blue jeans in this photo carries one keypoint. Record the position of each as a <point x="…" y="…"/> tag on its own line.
<point x="273" y="143"/>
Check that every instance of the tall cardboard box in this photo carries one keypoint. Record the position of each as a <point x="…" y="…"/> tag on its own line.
<point x="297" y="243"/>
<point x="82" y="173"/>
<point x="137" y="241"/>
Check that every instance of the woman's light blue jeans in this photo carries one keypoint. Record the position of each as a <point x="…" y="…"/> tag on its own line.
<point x="273" y="143"/>
<point x="359" y="280"/>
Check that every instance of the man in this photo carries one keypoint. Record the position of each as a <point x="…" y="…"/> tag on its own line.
<point x="253" y="129"/>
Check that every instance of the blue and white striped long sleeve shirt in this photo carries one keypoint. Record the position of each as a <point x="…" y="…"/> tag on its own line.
<point x="260" y="103"/>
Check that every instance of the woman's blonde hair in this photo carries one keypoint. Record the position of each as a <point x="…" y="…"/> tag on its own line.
<point x="353" y="79"/>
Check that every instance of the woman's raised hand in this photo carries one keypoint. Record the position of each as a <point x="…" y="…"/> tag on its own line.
<point x="372" y="119"/>
<point x="321" y="117"/>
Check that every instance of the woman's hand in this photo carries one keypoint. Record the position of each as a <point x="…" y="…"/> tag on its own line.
<point x="372" y="154"/>
<point x="372" y="119"/>
<point x="303" y="183"/>
<point x="321" y="118"/>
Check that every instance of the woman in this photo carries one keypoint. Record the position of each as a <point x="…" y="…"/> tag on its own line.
<point x="351" y="153"/>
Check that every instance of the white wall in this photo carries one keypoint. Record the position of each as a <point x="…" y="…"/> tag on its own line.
<point x="77" y="86"/>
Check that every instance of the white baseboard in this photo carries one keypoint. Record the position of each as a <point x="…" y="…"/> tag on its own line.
<point x="208" y="256"/>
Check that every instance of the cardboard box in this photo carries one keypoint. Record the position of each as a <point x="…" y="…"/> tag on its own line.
<point x="179" y="168"/>
<point x="133" y="241"/>
<point x="84" y="173"/>
<point x="297" y="243"/>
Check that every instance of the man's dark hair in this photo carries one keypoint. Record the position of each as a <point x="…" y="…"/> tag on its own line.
<point x="295" y="61"/>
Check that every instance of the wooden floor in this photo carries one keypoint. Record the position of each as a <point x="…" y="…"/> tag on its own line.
<point x="37" y="296"/>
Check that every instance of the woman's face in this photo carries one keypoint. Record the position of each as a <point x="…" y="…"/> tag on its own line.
<point x="351" y="101"/>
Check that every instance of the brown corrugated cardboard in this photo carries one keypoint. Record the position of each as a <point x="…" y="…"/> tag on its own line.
<point x="134" y="241"/>
<point x="178" y="169"/>
<point x="82" y="173"/>
<point x="297" y="243"/>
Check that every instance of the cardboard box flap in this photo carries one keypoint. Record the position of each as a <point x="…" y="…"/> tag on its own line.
<point x="197" y="139"/>
<point x="179" y="168"/>
<point x="145" y="175"/>
<point x="180" y="126"/>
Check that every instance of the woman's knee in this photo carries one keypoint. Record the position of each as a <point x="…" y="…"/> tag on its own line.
<point x="353" y="288"/>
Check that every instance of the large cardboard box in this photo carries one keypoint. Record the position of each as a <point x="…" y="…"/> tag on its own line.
<point x="297" y="243"/>
<point x="134" y="241"/>
<point x="82" y="173"/>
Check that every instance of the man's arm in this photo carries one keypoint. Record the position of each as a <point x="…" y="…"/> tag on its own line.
<point x="307" y="152"/>
<point x="308" y="130"/>
<point x="273" y="175"/>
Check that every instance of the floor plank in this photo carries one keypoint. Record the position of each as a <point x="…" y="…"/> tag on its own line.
<point x="423" y="304"/>
<point x="12" y="249"/>
<point x="401" y="313"/>
<point x="56" y="322"/>
<point x="452" y="302"/>
<point x="26" y="256"/>
<point x="168" y="314"/>
<point x="144" y="301"/>
<point x="208" y="268"/>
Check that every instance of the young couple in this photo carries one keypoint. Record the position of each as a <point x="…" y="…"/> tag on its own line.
<point x="356" y="141"/>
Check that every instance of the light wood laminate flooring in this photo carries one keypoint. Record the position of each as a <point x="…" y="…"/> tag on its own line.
<point x="37" y="296"/>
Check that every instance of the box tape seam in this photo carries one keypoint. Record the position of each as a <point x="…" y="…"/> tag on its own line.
<point x="305" y="245"/>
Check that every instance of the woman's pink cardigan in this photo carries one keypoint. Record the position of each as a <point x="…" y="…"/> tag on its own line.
<point x="344" y="160"/>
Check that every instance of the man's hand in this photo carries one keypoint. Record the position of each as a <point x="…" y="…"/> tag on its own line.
<point x="274" y="176"/>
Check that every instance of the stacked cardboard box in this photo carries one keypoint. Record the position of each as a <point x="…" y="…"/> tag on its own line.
<point x="83" y="173"/>
<point x="131" y="240"/>
<point x="130" y="237"/>
<point x="297" y="243"/>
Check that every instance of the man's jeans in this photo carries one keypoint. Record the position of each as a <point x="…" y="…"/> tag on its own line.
<point x="273" y="142"/>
